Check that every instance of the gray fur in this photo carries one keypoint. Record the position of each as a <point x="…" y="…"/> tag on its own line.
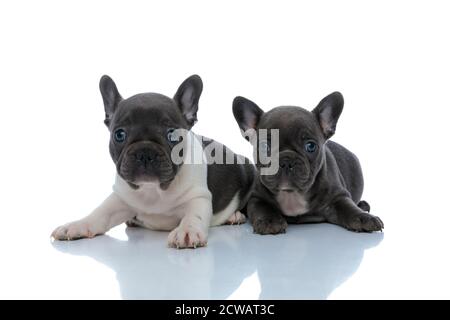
<point x="329" y="180"/>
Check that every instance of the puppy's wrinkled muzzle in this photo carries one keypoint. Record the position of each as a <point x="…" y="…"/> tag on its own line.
<point x="294" y="167"/>
<point x="145" y="161"/>
<point x="144" y="157"/>
<point x="293" y="173"/>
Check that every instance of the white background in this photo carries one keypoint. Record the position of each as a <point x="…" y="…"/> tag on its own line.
<point x="390" y="59"/>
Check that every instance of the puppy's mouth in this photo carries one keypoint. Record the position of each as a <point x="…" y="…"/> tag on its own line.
<point x="286" y="184"/>
<point x="276" y="185"/>
<point x="145" y="179"/>
<point x="145" y="163"/>
<point x="142" y="181"/>
<point x="288" y="190"/>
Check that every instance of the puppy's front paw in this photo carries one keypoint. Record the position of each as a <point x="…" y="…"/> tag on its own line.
<point x="187" y="237"/>
<point x="364" y="222"/>
<point x="236" y="218"/>
<point x="272" y="225"/>
<point x="74" y="230"/>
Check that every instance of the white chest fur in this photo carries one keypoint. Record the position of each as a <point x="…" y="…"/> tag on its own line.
<point x="292" y="203"/>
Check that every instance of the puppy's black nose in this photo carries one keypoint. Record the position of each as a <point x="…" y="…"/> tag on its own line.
<point x="144" y="157"/>
<point x="286" y="165"/>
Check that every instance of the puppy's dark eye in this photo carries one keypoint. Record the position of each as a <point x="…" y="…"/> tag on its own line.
<point x="264" y="147"/>
<point x="120" y="135"/>
<point x="310" y="146"/>
<point x="171" y="136"/>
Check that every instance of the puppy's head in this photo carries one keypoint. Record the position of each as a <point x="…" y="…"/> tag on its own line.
<point x="299" y="152"/>
<point x="142" y="130"/>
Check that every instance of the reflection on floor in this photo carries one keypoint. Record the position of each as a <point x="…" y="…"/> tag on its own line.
<point x="309" y="261"/>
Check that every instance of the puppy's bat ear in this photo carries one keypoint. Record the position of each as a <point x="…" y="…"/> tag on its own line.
<point x="187" y="97"/>
<point x="246" y="113"/>
<point x="328" y="111"/>
<point x="111" y="97"/>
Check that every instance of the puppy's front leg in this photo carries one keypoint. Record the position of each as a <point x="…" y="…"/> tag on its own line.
<point x="265" y="217"/>
<point x="110" y="213"/>
<point x="192" y="231"/>
<point x="347" y="214"/>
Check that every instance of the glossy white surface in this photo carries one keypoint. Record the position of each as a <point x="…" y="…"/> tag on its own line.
<point x="390" y="59"/>
<point x="308" y="262"/>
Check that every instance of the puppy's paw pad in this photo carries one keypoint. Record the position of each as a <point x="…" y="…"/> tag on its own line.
<point x="73" y="231"/>
<point x="236" y="218"/>
<point x="187" y="237"/>
<point x="270" y="226"/>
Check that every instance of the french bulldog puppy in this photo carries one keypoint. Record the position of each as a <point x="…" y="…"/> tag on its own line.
<point x="153" y="190"/>
<point x="317" y="180"/>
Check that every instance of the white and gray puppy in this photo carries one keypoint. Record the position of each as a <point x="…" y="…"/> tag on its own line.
<point x="153" y="190"/>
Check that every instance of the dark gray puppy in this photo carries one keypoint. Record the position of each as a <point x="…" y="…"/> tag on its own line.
<point x="317" y="180"/>
<point x="166" y="178"/>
